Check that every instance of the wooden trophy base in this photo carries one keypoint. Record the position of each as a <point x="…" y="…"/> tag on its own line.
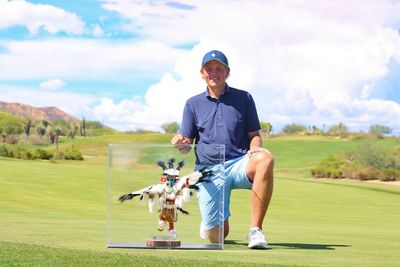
<point x="163" y="242"/>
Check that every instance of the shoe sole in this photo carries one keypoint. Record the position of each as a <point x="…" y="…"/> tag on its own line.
<point x="258" y="246"/>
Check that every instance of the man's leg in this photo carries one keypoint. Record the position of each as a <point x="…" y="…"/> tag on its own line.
<point x="213" y="234"/>
<point x="209" y="196"/>
<point x="260" y="172"/>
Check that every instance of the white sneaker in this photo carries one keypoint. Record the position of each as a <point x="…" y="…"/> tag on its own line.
<point x="257" y="239"/>
<point x="203" y="231"/>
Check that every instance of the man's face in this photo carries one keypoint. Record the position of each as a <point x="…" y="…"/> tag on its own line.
<point x="214" y="73"/>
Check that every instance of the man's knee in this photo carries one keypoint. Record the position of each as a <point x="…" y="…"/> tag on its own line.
<point x="265" y="158"/>
<point x="262" y="160"/>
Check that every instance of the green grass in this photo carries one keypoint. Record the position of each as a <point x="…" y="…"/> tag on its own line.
<point x="54" y="214"/>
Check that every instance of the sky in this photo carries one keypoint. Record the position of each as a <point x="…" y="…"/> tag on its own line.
<point x="132" y="64"/>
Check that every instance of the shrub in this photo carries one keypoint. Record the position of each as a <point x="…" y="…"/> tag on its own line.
<point x="339" y="130"/>
<point x="371" y="156"/>
<point x="171" y="127"/>
<point x="367" y="162"/>
<point x="3" y="151"/>
<point x="33" y="139"/>
<point x="365" y="173"/>
<point x="331" y="167"/>
<point x="11" y="139"/>
<point x="379" y="130"/>
<point x="13" y="151"/>
<point x="73" y="154"/>
<point x="58" y="155"/>
<point x="389" y="174"/>
<point x="294" y="128"/>
<point x="42" y="154"/>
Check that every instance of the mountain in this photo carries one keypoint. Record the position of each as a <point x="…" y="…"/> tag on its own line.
<point x="43" y="113"/>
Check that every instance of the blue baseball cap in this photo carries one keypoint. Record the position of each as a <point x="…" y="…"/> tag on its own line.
<point x="215" y="55"/>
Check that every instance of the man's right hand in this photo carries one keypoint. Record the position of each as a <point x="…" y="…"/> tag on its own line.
<point x="182" y="143"/>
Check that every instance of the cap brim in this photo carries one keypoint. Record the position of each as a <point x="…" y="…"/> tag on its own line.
<point x="211" y="59"/>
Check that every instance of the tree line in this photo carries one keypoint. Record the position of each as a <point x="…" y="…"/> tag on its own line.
<point x="339" y="130"/>
<point x="14" y="128"/>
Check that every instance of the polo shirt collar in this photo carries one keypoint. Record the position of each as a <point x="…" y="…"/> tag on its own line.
<point x="227" y="90"/>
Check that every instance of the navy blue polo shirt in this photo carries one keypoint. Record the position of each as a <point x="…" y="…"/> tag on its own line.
<point x="226" y="120"/>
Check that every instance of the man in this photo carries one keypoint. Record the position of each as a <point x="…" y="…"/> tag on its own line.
<point x="225" y="115"/>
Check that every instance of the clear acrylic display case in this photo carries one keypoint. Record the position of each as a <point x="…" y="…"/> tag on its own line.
<point x="133" y="166"/>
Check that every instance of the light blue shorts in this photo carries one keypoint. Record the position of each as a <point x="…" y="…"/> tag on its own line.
<point x="230" y="176"/>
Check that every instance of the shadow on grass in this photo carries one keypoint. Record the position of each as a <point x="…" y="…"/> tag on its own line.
<point x="308" y="246"/>
<point x="235" y="244"/>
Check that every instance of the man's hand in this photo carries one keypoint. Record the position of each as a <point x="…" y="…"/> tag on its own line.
<point x="182" y="143"/>
<point x="255" y="150"/>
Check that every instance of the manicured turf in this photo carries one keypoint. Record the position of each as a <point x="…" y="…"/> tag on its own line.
<point x="54" y="214"/>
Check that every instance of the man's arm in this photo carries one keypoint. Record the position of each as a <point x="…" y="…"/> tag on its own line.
<point x="182" y="143"/>
<point x="255" y="139"/>
<point x="255" y="143"/>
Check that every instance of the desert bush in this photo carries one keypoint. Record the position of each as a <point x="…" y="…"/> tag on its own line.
<point x="379" y="130"/>
<point x="367" y="162"/>
<point x="42" y="154"/>
<point x="370" y="155"/>
<point x="3" y="151"/>
<point x="72" y="154"/>
<point x="33" y="139"/>
<point x="331" y="167"/>
<point x="171" y="127"/>
<point x="339" y="130"/>
<point x="365" y="173"/>
<point x="58" y="155"/>
<point x="11" y="139"/>
<point x="396" y="158"/>
<point x="294" y="128"/>
<point x="389" y="174"/>
<point x="13" y="151"/>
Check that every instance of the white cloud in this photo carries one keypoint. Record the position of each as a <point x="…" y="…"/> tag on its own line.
<point x="39" y="16"/>
<point x="119" y="116"/>
<point x="304" y="61"/>
<point x="52" y="84"/>
<point x="85" y="59"/>
<point x="162" y="103"/>
<point x="372" y="111"/>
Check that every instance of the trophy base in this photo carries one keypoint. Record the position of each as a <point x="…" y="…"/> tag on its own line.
<point x="162" y="242"/>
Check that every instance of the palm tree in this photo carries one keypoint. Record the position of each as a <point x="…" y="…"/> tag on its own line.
<point x="58" y="132"/>
<point x="41" y="130"/>
<point x="27" y="126"/>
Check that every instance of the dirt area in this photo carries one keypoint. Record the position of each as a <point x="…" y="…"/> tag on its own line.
<point x="393" y="183"/>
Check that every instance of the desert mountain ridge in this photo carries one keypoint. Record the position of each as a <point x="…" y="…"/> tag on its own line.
<point x="37" y="113"/>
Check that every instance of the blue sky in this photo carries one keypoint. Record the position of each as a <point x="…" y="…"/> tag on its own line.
<point x="132" y="64"/>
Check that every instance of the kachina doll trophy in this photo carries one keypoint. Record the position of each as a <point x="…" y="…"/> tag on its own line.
<point x="170" y="194"/>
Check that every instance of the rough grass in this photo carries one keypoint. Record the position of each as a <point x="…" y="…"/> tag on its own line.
<point x="53" y="214"/>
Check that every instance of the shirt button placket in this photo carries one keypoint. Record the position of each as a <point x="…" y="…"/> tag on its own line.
<point x="219" y="114"/>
